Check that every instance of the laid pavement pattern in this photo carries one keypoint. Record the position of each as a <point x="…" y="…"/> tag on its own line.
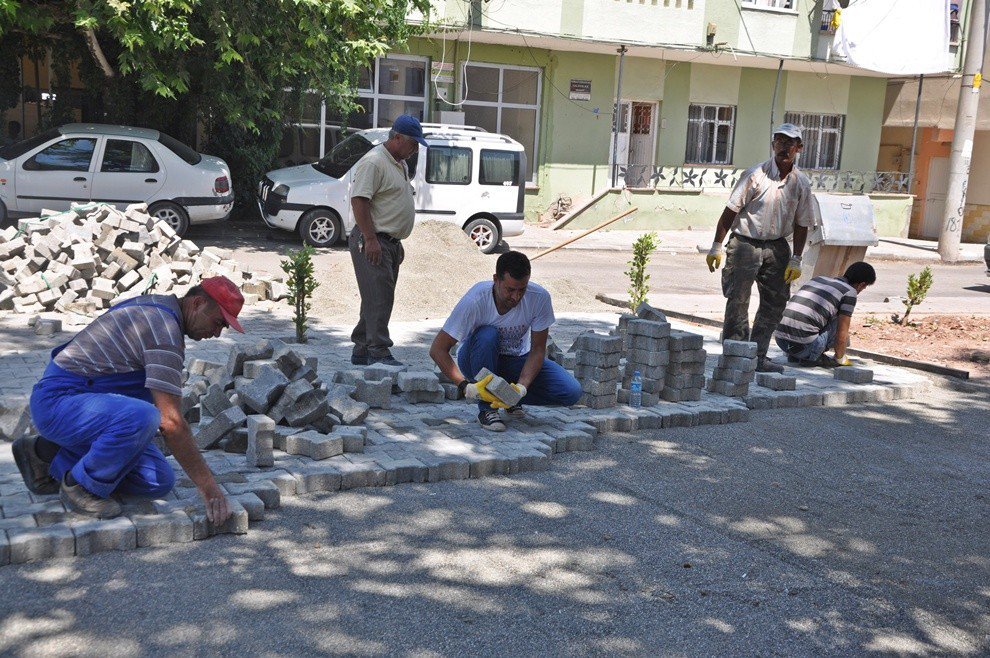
<point x="406" y="443"/>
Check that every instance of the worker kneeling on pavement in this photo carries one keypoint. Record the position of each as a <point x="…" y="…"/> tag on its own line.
<point x="817" y="317"/>
<point x="503" y="325"/>
<point x="108" y="391"/>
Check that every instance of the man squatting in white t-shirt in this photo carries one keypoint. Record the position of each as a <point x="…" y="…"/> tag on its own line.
<point x="503" y="325"/>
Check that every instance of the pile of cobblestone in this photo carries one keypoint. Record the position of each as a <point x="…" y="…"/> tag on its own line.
<point x="735" y="370"/>
<point x="94" y="256"/>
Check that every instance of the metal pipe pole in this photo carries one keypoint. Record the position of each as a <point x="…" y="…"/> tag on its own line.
<point x="914" y="133"/>
<point x="617" y="118"/>
<point x="773" y="103"/>
<point x="962" y="137"/>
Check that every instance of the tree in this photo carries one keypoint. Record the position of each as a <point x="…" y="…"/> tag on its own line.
<point x="215" y="63"/>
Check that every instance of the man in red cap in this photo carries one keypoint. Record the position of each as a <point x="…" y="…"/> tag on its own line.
<point x="110" y="389"/>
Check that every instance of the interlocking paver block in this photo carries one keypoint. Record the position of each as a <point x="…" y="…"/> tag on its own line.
<point x="504" y="391"/>
<point x="32" y="544"/>
<point x="340" y="402"/>
<point x="776" y="381"/>
<point x="597" y="388"/>
<point x="354" y="437"/>
<point x="99" y="536"/>
<point x="727" y="388"/>
<point x="648" y="328"/>
<point x="288" y="360"/>
<point x="417" y="381"/>
<point x="253" y="505"/>
<point x="314" y="445"/>
<point x="436" y="396"/>
<point x="260" y="441"/>
<point x="308" y="408"/>
<point x="252" y="369"/>
<point x="598" y="343"/>
<point x="375" y="394"/>
<point x="683" y="380"/>
<point x="688" y="356"/>
<point x="737" y="363"/>
<point x="287" y="400"/>
<point x="264" y="390"/>
<point x="648" y="357"/>
<point x="739" y="348"/>
<point x="598" y="401"/>
<point x="645" y="343"/>
<point x="174" y="527"/>
<point x="853" y="374"/>
<point x="647" y="312"/>
<point x="236" y="524"/>
<point x="591" y="372"/>
<point x="733" y="376"/>
<point x="229" y="419"/>
<point x="685" y="340"/>
<point x="598" y="359"/>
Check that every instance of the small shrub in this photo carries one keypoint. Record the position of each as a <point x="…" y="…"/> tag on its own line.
<point x="301" y="282"/>
<point x="639" y="286"/>
<point x="917" y="290"/>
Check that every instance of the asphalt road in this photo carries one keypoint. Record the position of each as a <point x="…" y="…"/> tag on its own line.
<point x="848" y="532"/>
<point x="681" y="282"/>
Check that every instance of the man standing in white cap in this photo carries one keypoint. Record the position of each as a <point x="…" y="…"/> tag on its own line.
<point x="771" y="201"/>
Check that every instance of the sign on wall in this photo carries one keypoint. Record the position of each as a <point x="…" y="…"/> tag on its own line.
<point x="580" y="90"/>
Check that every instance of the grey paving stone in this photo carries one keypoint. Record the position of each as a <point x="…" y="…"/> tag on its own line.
<point x="739" y="348"/>
<point x="215" y="401"/>
<point x="236" y="524"/>
<point x="598" y="359"/>
<point x="680" y="394"/>
<point x="33" y="544"/>
<point x="687" y="356"/>
<point x="598" y="343"/>
<point x="645" y="343"/>
<point x="174" y="527"/>
<point x="672" y="380"/>
<point x="417" y="381"/>
<point x="648" y="328"/>
<point x="428" y="397"/>
<point x="314" y="445"/>
<point x="685" y="341"/>
<point x="353" y="437"/>
<point x="776" y="381"/>
<point x="733" y="376"/>
<point x="648" y="358"/>
<point x="288" y="359"/>
<point x="592" y="372"/>
<point x="253" y="505"/>
<point x="598" y="401"/>
<point x="102" y="535"/>
<point x="853" y="374"/>
<point x="504" y="391"/>
<point x="736" y="363"/>
<point x="647" y="399"/>
<point x="376" y="394"/>
<point x="252" y="369"/>
<point x="209" y="436"/>
<point x="263" y="391"/>
<point x="598" y="388"/>
<point x="350" y="411"/>
<point x="308" y="408"/>
<point x="260" y="441"/>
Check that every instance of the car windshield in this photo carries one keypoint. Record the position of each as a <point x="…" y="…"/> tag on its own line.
<point x="17" y="149"/>
<point x="345" y="155"/>
<point x="180" y="149"/>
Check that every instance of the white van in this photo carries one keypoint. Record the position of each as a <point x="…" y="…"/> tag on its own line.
<point x="470" y="177"/>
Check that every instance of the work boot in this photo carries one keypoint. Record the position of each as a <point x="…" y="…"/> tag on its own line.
<point x="387" y="360"/>
<point x="79" y="500"/>
<point x="490" y="420"/>
<point x="33" y="468"/>
<point x="764" y="364"/>
<point x="826" y="361"/>
<point x="359" y="359"/>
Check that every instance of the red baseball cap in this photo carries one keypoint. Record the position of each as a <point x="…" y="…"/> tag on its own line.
<point x="225" y="293"/>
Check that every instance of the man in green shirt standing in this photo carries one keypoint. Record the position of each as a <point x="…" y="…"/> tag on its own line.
<point x="384" y="211"/>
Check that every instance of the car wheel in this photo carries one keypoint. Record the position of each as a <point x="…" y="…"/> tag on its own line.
<point x="484" y="233"/>
<point x="320" y="228"/>
<point x="172" y="214"/>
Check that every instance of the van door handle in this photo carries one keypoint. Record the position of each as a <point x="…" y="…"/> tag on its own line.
<point x="79" y="179"/>
<point x="150" y="180"/>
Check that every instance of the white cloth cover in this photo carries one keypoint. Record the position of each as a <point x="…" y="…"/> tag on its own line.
<point x="901" y="37"/>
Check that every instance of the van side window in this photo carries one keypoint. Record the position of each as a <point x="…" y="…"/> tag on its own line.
<point x="499" y="167"/>
<point x="449" y="165"/>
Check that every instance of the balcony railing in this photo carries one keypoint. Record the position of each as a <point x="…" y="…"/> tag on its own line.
<point x="826" y="24"/>
<point x="700" y="177"/>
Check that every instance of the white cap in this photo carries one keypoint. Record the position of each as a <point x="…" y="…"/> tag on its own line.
<point x="788" y="129"/>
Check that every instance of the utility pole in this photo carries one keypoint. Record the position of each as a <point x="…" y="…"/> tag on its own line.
<point x="617" y="119"/>
<point x="962" y="137"/>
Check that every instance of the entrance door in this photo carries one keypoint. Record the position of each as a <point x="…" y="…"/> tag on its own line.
<point x="642" y="144"/>
<point x="622" y="143"/>
<point x="935" y="194"/>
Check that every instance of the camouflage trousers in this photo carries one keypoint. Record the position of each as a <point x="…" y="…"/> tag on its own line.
<point x="763" y="262"/>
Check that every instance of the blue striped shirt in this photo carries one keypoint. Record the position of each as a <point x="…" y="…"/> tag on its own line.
<point x="132" y="338"/>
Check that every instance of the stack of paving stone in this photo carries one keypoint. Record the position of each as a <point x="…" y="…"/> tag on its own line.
<point x="94" y="256"/>
<point x="646" y="343"/>
<point x="686" y="368"/>
<point x="266" y="393"/>
<point x="597" y="360"/>
<point x="735" y="370"/>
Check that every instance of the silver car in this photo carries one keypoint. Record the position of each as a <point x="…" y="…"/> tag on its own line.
<point x="82" y="162"/>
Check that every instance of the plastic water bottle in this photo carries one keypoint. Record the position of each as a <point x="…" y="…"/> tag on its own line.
<point x="636" y="390"/>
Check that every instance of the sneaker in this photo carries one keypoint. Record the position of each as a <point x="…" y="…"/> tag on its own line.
<point x="359" y="359"/>
<point x="515" y="412"/>
<point x="33" y="468"/>
<point x="490" y="420"/>
<point x="825" y="361"/>
<point x="78" y="500"/>
<point x="764" y="364"/>
<point x="385" y="360"/>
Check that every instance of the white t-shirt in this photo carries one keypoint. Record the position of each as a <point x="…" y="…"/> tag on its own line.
<point x="477" y="309"/>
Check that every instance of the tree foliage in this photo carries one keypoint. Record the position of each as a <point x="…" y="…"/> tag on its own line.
<point x="639" y="278"/>
<point x="177" y="65"/>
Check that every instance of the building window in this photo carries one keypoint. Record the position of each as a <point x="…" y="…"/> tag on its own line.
<point x="822" y="139"/>
<point x="710" y="130"/>
<point x="776" y="4"/>
<point x="504" y="99"/>
<point x="392" y="86"/>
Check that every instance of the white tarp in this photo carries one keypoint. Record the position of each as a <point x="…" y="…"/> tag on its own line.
<point x="900" y="37"/>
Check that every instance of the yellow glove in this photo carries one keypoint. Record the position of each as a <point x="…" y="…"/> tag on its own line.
<point x="844" y="361"/>
<point x="498" y="404"/>
<point x="793" y="271"/>
<point x="714" y="257"/>
<point x="478" y="391"/>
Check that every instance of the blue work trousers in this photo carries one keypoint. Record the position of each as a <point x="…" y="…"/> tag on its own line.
<point x="552" y="387"/>
<point x="104" y="427"/>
